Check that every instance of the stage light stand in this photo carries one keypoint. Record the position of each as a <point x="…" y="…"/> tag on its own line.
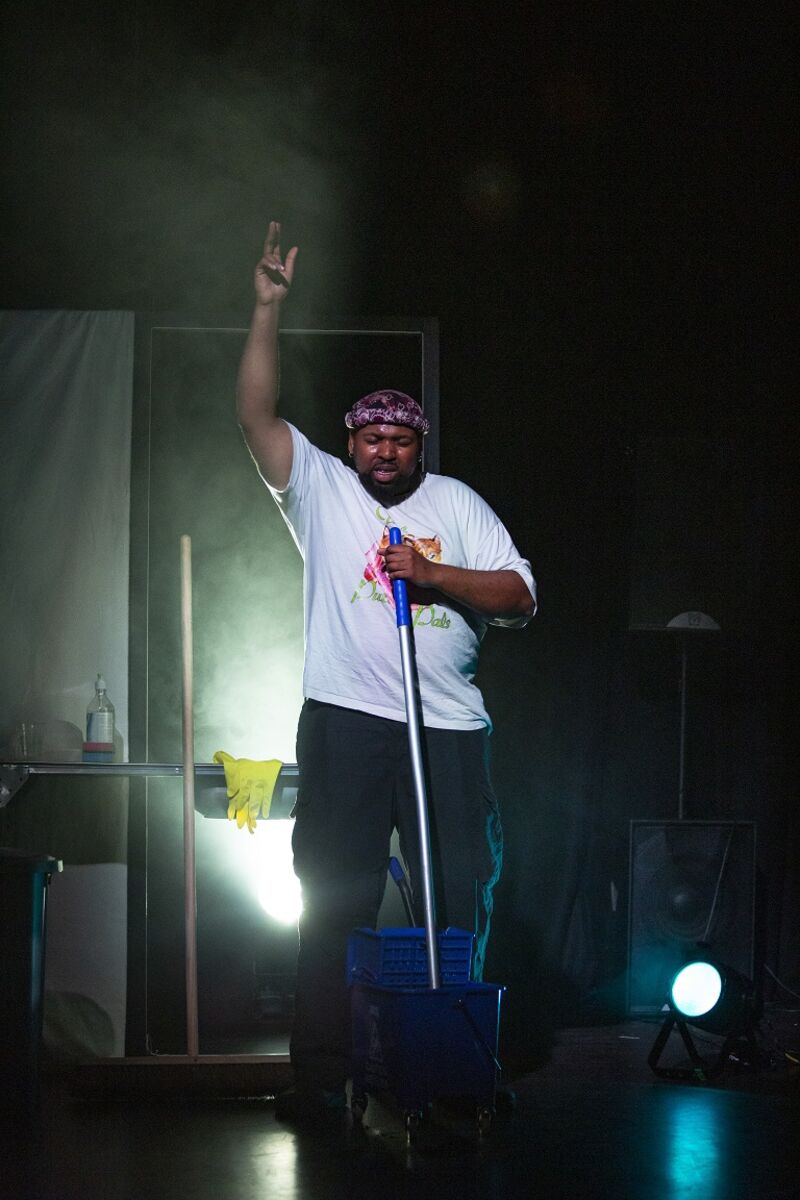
<point x="734" y="1016"/>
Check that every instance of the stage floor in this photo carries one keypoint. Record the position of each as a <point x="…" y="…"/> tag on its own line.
<point x="593" y="1121"/>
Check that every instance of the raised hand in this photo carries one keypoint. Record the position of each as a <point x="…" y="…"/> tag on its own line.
<point x="273" y="275"/>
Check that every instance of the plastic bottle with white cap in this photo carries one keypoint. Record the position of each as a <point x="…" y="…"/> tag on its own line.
<point x="100" y="720"/>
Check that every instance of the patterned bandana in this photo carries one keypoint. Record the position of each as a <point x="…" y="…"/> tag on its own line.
<point x="387" y="408"/>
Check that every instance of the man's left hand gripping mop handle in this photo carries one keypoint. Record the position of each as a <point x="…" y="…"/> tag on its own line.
<point x="399" y="588"/>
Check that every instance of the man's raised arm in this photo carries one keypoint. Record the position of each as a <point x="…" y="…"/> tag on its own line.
<point x="267" y="436"/>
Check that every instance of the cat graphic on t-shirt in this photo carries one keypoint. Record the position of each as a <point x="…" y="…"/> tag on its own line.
<point x="430" y="548"/>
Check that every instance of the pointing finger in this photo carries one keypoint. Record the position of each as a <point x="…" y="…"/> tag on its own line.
<point x="271" y="242"/>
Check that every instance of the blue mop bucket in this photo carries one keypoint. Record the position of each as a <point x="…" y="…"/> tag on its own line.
<point x="422" y="1045"/>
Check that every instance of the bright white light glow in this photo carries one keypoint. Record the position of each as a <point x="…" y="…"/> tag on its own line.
<point x="696" y="989"/>
<point x="278" y="886"/>
<point x="264" y="858"/>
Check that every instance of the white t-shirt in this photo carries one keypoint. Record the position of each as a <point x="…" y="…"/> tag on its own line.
<point x="352" y="652"/>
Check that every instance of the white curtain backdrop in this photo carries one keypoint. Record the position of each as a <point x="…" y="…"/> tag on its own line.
<point x="66" y="382"/>
<point x="65" y="418"/>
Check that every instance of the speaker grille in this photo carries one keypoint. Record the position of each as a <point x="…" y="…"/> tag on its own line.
<point x="690" y="882"/>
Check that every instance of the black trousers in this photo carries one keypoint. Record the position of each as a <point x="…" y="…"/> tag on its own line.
<point x="356" y="787"/>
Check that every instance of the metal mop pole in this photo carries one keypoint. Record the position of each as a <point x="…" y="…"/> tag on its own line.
<point x="415" y="747"/>
<point x="189" y="896"/>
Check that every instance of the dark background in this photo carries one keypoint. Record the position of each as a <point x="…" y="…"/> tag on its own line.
<point x="597" y="202"/>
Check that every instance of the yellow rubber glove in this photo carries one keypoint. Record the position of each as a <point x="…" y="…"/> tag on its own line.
<point x="250" y="786"/>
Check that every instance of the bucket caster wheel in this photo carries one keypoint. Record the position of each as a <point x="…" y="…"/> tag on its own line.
<point x="413" y="1122"/>
<point x="484" y="1122"/>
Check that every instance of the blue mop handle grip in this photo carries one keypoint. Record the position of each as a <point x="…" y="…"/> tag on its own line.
<point x="399" y="588"/>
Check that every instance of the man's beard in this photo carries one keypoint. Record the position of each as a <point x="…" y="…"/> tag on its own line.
<point x="392" y="493"/>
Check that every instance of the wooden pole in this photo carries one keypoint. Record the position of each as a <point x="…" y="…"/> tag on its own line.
<point x="190" y="894"/>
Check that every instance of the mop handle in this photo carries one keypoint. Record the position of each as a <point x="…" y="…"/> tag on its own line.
<point x="399" y="585"/>
<point x="400" y="592"/>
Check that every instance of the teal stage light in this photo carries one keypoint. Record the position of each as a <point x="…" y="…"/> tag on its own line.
<point x="696" y="989"/>
<point x="710" y="996"/>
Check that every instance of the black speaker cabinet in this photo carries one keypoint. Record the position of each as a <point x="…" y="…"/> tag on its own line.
<point x="690" y="882"/>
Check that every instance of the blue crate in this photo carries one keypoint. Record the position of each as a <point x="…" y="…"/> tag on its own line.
<point x="398" y="957"/>
<point x="422" y="1045"/>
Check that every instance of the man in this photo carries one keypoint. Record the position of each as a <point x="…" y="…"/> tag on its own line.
<point x="356" y="786"/>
